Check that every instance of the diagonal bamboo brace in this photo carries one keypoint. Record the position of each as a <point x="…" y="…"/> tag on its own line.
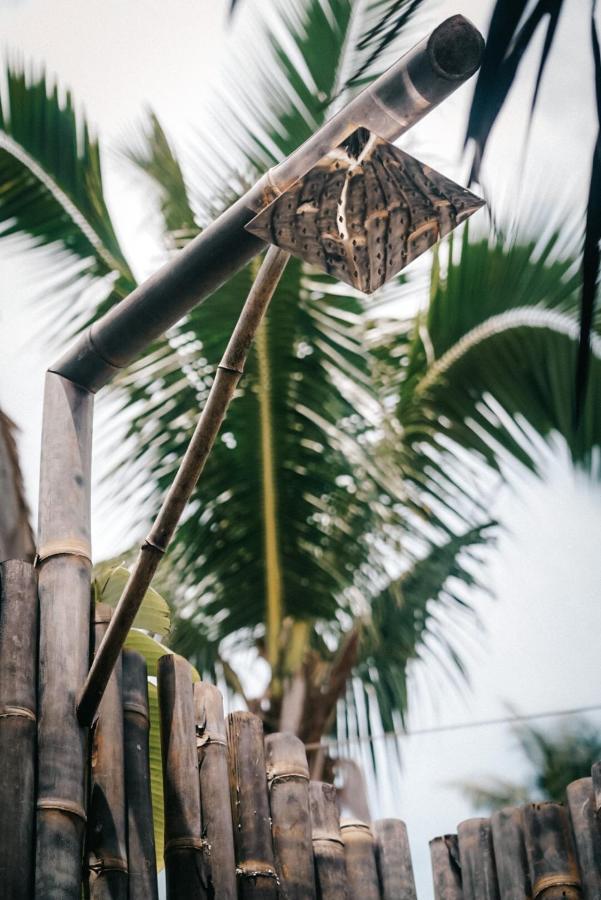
<point x="222" y="390"/>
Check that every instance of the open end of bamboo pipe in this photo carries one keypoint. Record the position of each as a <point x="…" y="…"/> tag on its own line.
<point x="222" y="391"/>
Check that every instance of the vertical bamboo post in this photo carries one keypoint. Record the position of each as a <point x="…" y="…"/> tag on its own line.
<point x="64" y="592"/>
<point x="550" y="851"/>
<point x="288" y="782"/>
<point x="360" y="857"/>
<point x="596" y="776"/>
<point x="510" y="853"/>
<point x="393" y="858"/>
<point x="446" y="867"/>
<point x="587" y="836"/>
<point x="478" y="870"/>
<point x="18" y="671"/>
<point x="328" y="849"/>
<point x="185" y="861"/>
<point x="250" y="807"/>
<point x="213" y="773"/>
<point x="141" y="854"/>
<point x="106" y="831"/>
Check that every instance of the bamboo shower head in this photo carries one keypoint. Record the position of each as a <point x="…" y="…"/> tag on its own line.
<point x="364" y="212"/>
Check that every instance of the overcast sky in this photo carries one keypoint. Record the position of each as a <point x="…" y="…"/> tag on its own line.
<point x="538" y="649"/>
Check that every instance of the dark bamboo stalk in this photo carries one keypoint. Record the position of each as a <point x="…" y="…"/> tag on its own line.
<point x="141" y="853"/>
<point x="222" y="391"/>
<point x="550" y="851"/>
<point x="587" y="836"/>
<point x="185" y="859"/>
<point x="250" y="808"/>
<point x="478" y="870"/>
<point x="510" y="853"/>
<point x="393" y="858"/>
<point x="446" y="867"/>
<point x="328" y="849"/>
<point x="402" y="96"/>
<point x="213" y="772"/>
<point x="64" y="591"/>
<point x="596" y="776"/>
<point x="106" y="833"/>
<point x="360" y="857"/>
<point x="288" y="781"/>
<point x="18" y="673"/>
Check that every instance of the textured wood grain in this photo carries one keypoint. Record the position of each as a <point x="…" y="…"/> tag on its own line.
<point x="550" y="850"/>
<point x="393" y="856"/>
<point x="478" y="869"/>
<point x="328" y="849"/>
<point x="360" y="857"/>
<point x="510" y="853"/>
<point x="587" y="836"/>
<point x="364" y="212"/>
<point x="446" y="868"/>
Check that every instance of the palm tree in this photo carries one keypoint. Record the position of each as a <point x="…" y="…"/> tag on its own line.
<point x="556" y="759"/>
<point x="336" y="525"/>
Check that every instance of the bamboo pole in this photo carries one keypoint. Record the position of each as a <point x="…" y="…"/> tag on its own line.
<point x="141" y="853"/>
<point x="402" y="96"/>
<point x="106" y="831"/>
<point x="393" y="858"/>
<point x="478" y="870"/>
<point x="328" y="849"/>
<point x="222" y="391"/>
<point x="596" y="776"/>
<point x="185" y="860"/>
<point x="255" y="864"/>
<point x="18" y="672"/>
<point x="64" y="569"/>
<point x="510" y="853"/>
<point x="360" y="858"/>
<point x="288" y="782"/>
<point x="446" y="867"/>
<point x="213" y="773"/>
<point x="587" y="836"/>
<point x="550" y="851"/>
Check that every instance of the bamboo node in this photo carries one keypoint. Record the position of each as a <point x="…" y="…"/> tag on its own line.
<point x="285" y="775"/>
<point x="254" y="869"/>
<point x="149" y="544"/>
<point x="230" y="369"/>
<point x="559" y="879"/>
<point x="55" y="803"/>
<point x="108" y="864"/>
<point x="328" y="837"/>
<point x="138" y="708"/>
<point x="7" y="711"/>
<point x="204" y="738"/>
<point x="64" y="548"/>
<point x="186" y="843"/>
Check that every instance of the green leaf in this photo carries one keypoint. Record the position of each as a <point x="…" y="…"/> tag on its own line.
<point x="154" y="614"/>
<point x="156" y="774"/>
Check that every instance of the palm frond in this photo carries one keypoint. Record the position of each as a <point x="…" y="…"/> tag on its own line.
<point x="52" y="189"/>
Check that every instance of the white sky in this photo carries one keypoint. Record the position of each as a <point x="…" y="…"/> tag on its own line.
<point x="538" y="650"/>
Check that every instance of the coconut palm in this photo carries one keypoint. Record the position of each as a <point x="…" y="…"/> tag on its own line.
<point x="555" y="758"/>
<point x="336" y="525"/>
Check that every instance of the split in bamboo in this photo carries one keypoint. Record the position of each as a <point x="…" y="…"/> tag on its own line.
<point x="185" y="856"/>
<point x="222" y="391"/>
<point x="393" y="857"/>
<point x="328" y="849"/>
<point x="106" y="832"/>
<point x="213" y="774"/>
<point x="141" y="854"/>
<point x="446" y="868"/>
<point x="64" y="575"/>
<point x="255" y="865"/>
<point x="288" y="781"/>
<point x="18" y="673"/>
<point x="359" y="854"/>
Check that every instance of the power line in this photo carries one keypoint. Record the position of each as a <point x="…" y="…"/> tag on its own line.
<point x="456" y="726"/>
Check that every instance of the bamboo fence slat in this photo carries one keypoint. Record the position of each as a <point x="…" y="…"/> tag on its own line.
<point x="446" y="868"/>
<point x="185" y="858"/>
<point x="255" y="862"/>
<point x="328" y="849"/>
<point x="360" y="858"/>
<point x="393" y="857"/>
<point x="18" y="707"/>
<point x="213" y="773"/>
<point x="64" y="575"/>
<point x="477" y="858"/>
<point x="550" y="850"/>
<point x="141" y="853"/>
<point x="510" y="853"/>
<point x="587" y="836"/>
<point x="106" y="848"/>
<point x="288" y="781"/>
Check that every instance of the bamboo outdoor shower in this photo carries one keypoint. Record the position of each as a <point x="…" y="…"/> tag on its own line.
<point x="417" y="83"/>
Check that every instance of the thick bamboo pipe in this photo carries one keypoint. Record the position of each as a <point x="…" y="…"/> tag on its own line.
<point x="403" y="95"/>
<point x="220" y="396"/>
<point x="446" y="867"/>
<point x="328" y="848"/>
<point x="360" y="858"/>
<point x="393" y="857"/>
<point x="478" y="869"/>
<point x="550" y="850"/>
<point x="64" y="570"/>
<point x="18" y="673"/>
<point x="513" y="876"/>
